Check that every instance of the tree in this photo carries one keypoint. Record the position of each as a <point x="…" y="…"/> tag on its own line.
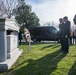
<point x="33" y="19"/>
<point x="24" y="15"/>
<point x="7" y="6"/>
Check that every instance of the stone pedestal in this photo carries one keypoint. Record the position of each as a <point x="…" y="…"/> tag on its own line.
<point x="3" y="47"/>
<point x="9" y="51"/>
<point x="6" y="65"/>
<point x="11" y="45"/>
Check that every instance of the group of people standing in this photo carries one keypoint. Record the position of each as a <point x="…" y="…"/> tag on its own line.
<point x="65" y="33"/>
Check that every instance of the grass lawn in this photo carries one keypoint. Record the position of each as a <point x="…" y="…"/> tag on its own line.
<point x="44" y="59"/>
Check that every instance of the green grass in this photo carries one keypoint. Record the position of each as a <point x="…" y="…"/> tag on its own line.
<point x="44" y="59"/>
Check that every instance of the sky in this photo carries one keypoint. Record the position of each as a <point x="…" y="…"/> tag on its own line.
<point x="52" y="10"/>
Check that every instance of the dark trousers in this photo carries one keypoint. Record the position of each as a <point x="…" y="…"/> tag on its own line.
<point x="66" y="45"/>
<point x="70" y="40"/>
<point x="19" y="42"/>
<point x="62" y="43"/>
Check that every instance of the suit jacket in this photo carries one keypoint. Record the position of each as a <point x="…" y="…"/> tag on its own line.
<point x="61" y="30"/>
<point x="67" y="28"/>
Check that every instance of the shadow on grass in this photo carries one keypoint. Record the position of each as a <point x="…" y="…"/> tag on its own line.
<point x="47" y="46"/>
<point x="36" y="43"/>
<point x="73" y="70"/>
<point x="54" y="45"/>
<point x="43" y="66"/>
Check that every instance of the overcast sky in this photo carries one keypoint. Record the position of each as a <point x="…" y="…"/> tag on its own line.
<point x="52" y="10"/>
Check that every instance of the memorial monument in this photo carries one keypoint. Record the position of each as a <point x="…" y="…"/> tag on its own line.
<point x="9" y="51"/>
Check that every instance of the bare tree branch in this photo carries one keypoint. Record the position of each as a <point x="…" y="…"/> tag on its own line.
<point x="7" y="6"/>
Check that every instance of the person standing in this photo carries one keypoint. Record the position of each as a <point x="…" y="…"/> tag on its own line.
<point x="71" y="37"/>
<point x="66" y="34"/>
<point x="74" y="20"/>
<point x="75" y="36"/>
<point x="20" y="37"/>
<point x="61" y="30"/>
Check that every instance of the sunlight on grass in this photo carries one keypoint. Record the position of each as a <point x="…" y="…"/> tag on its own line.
<point x="44" y="59"/>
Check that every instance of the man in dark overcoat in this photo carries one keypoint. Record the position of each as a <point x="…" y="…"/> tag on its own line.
<point x="66" y="34"/>
<point x="61" y="30"/>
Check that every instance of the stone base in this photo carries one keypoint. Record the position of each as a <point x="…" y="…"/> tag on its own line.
<point x="5" y="66"/>
<point x="13" y="53"/>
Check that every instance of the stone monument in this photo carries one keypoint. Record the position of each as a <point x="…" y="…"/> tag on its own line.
<point x="9" y="51"/>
